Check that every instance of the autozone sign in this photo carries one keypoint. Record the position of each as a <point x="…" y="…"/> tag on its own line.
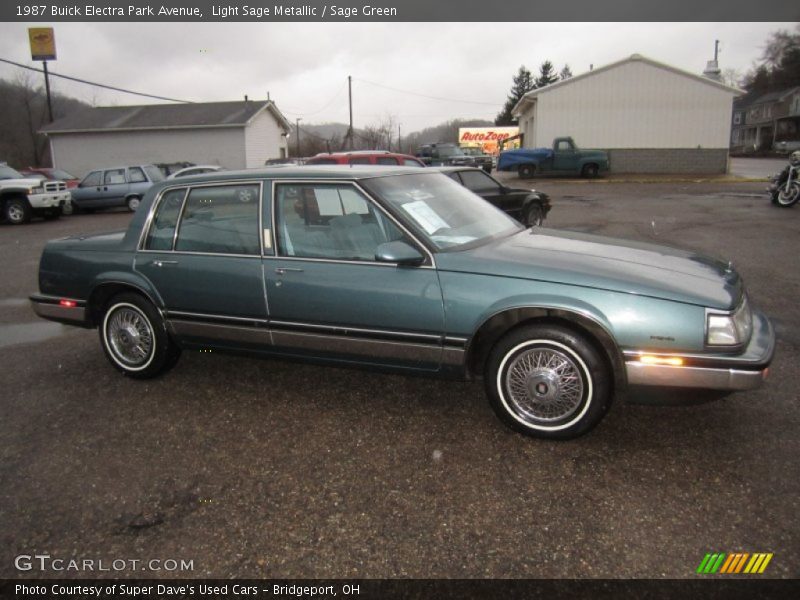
<point x="482" y="135"/>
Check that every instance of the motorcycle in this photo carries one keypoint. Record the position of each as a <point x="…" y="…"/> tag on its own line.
<point x="785" y="188"/>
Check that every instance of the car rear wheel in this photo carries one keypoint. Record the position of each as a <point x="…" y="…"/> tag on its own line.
<point x="589" y="171"/>
<point x="547" y="381"/>
<point x="17" y="211"/>
<point x="133" y="203"/>
<point x="526" y="171"/>
<point x="135" y="339"/>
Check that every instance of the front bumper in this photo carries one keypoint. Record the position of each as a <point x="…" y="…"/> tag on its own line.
<point x="50" y="200"/>
<point x="745" y="371"/>
<point x="63" y="310"/>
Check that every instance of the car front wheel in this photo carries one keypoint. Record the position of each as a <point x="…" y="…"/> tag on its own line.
<point x="135" y="339"/>
<point x="534" y="217"/>
<point x="17" y="211"/>
<point x="547" y="381"/>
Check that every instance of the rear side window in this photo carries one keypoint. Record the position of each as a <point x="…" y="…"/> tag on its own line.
<point x="115" y="176"/>
<point x="386" y="160"/>
<point x="136" y="175"/>
<point x="360" y="160"/>
<point x="162" y="231"/>
<point x="410" y="162"/>
<point x="220" y="220"/>
<point x="322" y="161"/>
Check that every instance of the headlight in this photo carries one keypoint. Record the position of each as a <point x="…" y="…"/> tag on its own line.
<point x="730" y="330"/>
<point x="36" y="190"/>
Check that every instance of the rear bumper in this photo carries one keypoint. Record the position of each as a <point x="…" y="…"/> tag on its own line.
<point x="63" y="310"/>
<point x="745" y="371"/>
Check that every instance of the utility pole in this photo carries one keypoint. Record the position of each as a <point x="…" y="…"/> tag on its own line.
<point x="47" y="89"/>
<point x="297" y="143"/>
<point x="43" y="48"/>
<point x="350" y="102"/>
<point x="716" y="50"/>
<point x="399" y="140"/>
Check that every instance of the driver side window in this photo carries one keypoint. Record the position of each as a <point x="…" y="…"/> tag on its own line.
<point x="92" y="179"/>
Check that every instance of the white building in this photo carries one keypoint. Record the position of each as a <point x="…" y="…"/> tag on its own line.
<point x="234" y="135"/>
<point x="649" y="116"/>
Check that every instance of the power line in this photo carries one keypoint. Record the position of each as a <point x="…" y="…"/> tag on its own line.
<point x="101" y="85"/>
<point x="331" y="101"/>
<point x="426" y="95"/>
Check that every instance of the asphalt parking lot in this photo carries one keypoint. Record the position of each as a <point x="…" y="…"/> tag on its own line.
<point x="258" y="468"/>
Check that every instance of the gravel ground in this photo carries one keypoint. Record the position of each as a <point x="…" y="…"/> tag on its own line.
<point x="259" y="468"/>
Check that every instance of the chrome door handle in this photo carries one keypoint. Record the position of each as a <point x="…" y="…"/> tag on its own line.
<point x="282" y="270"/>
<point x="161" y="263"/>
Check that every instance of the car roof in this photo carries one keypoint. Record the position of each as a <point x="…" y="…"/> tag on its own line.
<point x="348" y="172"/>
<point x="454" y="169"/>
<point x="358" y="153"/>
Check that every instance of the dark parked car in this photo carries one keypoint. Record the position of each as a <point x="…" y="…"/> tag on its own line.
<point x="526" y="206"/>
<point x="118" y="186"/>
<point x="444" y="155"/>
<point x="482" y="160"/>
<point x="405" y="269"/>
<point x="365" y="157"/>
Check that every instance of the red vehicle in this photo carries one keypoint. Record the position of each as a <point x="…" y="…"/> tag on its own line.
<point x="365" y="157"/>
<point x="52" y="175"/>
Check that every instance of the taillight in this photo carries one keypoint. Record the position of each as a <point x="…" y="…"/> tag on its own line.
<point x="68" y="303"/>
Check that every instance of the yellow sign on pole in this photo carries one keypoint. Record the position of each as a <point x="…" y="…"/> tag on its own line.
<point x="43" y="43"/>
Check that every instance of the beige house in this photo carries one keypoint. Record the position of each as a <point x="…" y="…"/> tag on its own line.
<point x="234" y="135"/>
<point x="650" y="117"/>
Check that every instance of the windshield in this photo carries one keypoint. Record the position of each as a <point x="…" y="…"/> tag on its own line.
<point x="441" y="210"/>
<point x="7" y="172"/>
<point x="449" y="151"/>
<point x="59" y="174"/>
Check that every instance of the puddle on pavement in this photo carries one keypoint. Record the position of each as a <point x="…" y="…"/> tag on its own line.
<point x="14" y="302"/>
<point x="27" y="333"/>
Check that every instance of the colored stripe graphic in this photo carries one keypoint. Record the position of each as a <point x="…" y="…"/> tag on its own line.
<point x="734" y="563"/>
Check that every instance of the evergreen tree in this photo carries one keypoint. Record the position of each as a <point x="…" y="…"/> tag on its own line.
<point x="522" y="84"/>
<point x="547" y="74"/>
<point x="566" y="73"/>
<point x="780" y="64"/>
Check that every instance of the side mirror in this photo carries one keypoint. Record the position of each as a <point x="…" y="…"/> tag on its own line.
<point x="399" y="253"/>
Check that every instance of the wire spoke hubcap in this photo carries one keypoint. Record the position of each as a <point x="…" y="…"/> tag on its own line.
<point x="544" y="385"/>
<point x="130" y="336"/>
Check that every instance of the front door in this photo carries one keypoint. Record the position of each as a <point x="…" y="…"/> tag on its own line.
<point x="202" y="254"/>
<point x="328" y="296"/>
<point x="115" y="187"/>
<point x="565" y="158"/>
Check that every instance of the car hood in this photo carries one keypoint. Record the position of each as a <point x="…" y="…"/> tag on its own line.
<point x="604" y="263"/>
<point x="23" y="183"/>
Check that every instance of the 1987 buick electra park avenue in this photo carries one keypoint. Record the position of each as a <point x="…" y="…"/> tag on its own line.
<point x="405" y="269"/>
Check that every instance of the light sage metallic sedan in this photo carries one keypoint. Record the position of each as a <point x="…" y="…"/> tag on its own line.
<point x="404" y="269"/>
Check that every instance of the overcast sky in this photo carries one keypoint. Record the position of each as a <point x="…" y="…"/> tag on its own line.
<point x="304" y="66"/>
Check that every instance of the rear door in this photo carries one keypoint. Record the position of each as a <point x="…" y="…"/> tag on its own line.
<point x="202" y="253"/>
<point x="115" y="187"/>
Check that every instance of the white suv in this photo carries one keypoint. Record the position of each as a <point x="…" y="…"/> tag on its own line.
<point x="22" y="197"/>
